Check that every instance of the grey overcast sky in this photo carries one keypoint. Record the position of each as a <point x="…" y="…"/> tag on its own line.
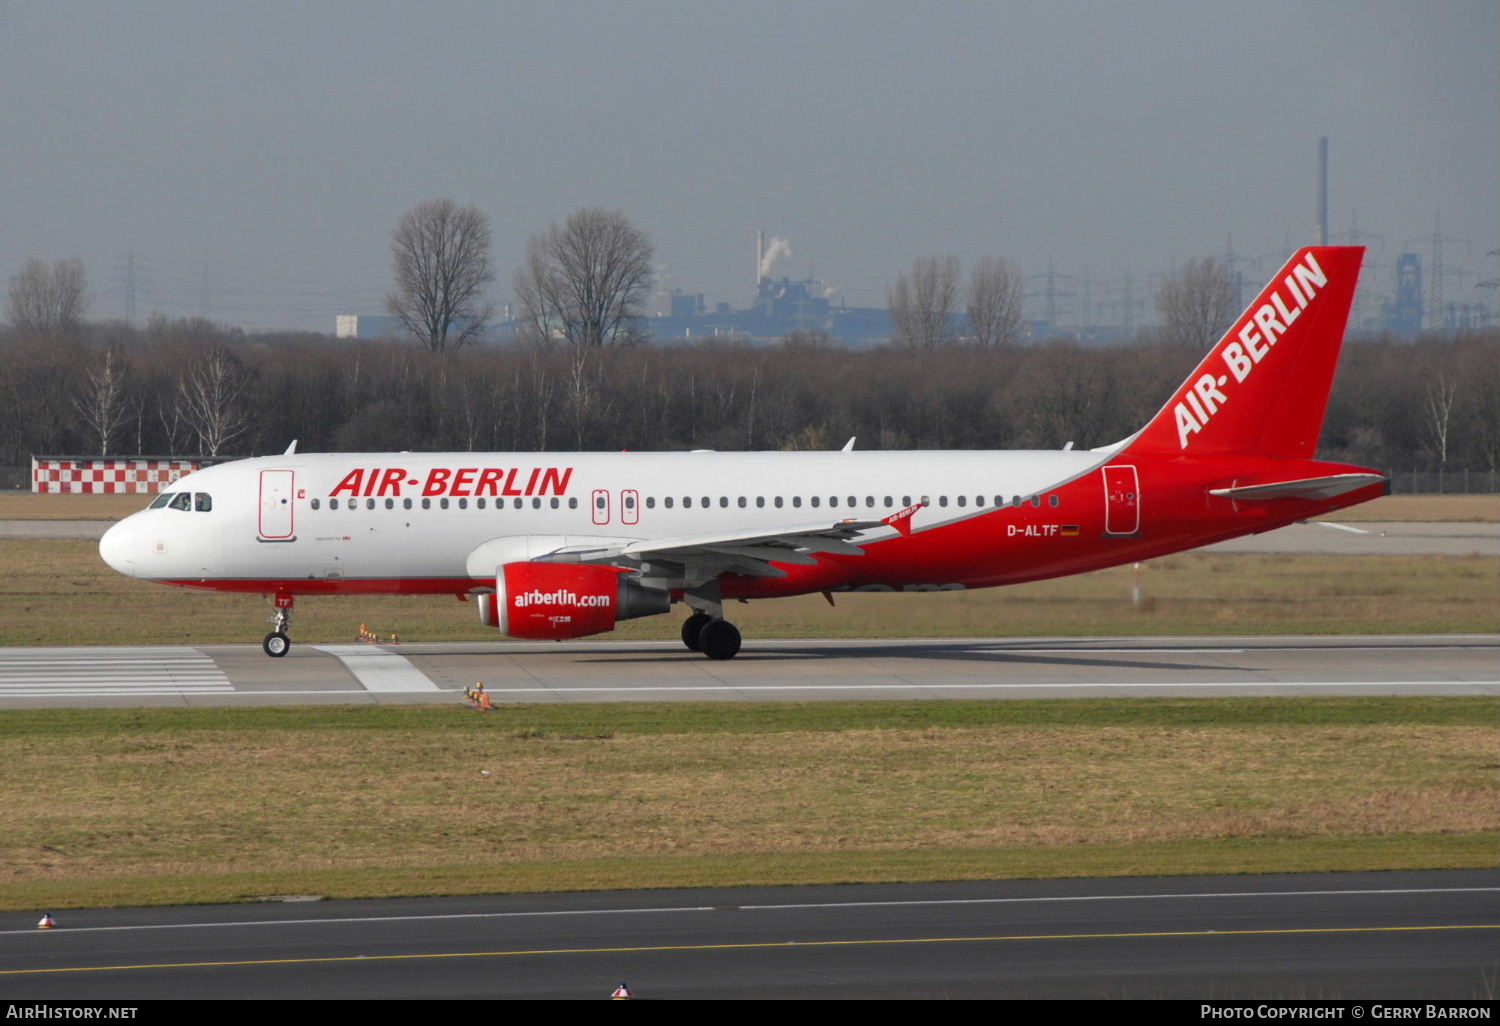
<point x="254" y="156"/>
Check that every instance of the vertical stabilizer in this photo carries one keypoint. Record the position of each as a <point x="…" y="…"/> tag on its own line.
<point x="1264" y="388"/>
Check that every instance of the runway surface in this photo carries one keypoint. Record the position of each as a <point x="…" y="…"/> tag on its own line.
<point x="766" y="670"/>
<point x="1322" y="937"/>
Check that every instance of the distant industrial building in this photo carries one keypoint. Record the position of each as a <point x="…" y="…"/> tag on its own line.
<point x="781" y="306"/>
<point x="1403" y="313"/>
<point x="370" y="326"/>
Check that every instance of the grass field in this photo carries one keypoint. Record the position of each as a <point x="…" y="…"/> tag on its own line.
<point x="169" y="806"/>
<point x="142" y="806"/>
<point x="1429" y="508"/>
<point x="58" y="592"/>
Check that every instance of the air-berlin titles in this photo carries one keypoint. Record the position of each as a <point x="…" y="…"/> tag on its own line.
<point x="1257" y="333"/>
<point x="461" y="482"/>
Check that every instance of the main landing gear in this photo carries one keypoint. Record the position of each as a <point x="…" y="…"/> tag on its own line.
<point x="277" y="643"/>
<point x="715" y="638"/>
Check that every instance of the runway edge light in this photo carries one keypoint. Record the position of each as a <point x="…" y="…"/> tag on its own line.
<point x="47" y="922"/>
<point x="622" y="993"/>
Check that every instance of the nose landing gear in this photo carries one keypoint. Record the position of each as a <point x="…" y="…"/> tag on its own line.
<point x="277" y="643"/>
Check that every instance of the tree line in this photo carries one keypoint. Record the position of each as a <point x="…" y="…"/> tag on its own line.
<point x="187" y="387"/>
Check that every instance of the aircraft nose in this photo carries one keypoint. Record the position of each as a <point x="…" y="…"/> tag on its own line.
<point x="117" y="548"/>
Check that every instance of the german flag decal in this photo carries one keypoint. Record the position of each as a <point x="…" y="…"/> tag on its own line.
<point x="1070" y="530"/>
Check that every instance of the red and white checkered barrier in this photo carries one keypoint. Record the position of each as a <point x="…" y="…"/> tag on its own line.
<point x="125" y="476"/>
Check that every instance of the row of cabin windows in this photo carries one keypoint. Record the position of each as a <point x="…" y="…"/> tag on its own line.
<point x="705" y="502"/>
<point x="852" y="501"/>
<point x="536" y="503"/>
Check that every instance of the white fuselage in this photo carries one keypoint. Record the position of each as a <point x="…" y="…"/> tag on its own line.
<point x="389" y="517"/>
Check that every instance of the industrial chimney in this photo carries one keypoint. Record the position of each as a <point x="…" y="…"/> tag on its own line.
<point x="1323" y="190"/>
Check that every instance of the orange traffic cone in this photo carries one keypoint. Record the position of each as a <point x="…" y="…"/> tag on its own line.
<point x="47" y="922"/>
<point x="622" y="993"/>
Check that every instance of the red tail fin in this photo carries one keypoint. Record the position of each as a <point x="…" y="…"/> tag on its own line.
<point x="1264" y="387"/>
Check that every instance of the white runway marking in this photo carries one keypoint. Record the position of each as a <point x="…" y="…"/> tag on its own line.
<point x="658" y="910"/>
<point x="1343" y="527"/>
<point x="379" y="670"/>
<point x="106" y="672"/>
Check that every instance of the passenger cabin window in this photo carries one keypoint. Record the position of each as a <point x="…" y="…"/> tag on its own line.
<point x="315" y="504"/>
<point x="1052" y="501"/>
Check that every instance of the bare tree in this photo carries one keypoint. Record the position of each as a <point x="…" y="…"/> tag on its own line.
<point x="440" y="260"/>
<point x="586" y="280"/>
<point x="994" y="309"/>
<point x="102" y="404"/>
<point x="1437" y="407"/>
<point x="922" y="304"/>
<point x="48" y="300"/>
<point x="1196" y="305"/>
<point x="210" y="392"/>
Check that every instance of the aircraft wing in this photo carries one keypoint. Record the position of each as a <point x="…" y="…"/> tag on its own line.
<point x="742" y="552"/>
<point x="1306" y="488"/>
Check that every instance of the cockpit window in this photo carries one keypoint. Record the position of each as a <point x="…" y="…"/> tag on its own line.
<point x="160" y="501"/>
<point x="203" y="502"/>
<point x="182" y="500"/>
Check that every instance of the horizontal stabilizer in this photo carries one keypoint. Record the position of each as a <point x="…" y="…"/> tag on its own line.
<point x="1305" y="488"/>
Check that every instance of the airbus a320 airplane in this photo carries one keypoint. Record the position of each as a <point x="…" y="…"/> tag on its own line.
<point x="555" y="545"/>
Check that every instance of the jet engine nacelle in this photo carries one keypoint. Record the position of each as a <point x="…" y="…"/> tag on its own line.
<point x="552" y="601"/>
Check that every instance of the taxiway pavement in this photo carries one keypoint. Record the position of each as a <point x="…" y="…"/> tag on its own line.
<point x="1351" y="936"/>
